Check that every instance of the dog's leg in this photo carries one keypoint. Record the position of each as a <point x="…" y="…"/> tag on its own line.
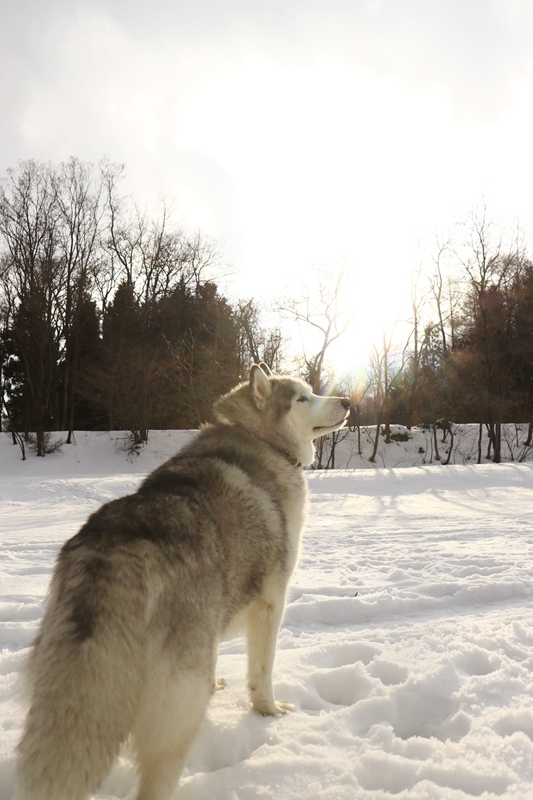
<point x="263" y="623"/>
<point x="217" y="683"/>
<point x="171" y="713"/>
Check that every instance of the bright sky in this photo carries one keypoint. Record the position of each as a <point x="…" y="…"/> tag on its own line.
<point x="299" y="133"/>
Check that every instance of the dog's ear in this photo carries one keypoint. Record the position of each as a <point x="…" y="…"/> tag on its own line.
<point x="266" y="369"/>
<point x="259" y="386"/>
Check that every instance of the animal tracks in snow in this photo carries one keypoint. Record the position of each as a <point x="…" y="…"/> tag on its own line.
<point x="406" y="647"/>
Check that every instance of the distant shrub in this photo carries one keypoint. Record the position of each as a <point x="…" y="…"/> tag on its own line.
<point x="48" y="446"/>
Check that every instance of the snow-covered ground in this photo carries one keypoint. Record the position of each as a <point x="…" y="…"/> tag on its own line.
<point x="406" y="648"/>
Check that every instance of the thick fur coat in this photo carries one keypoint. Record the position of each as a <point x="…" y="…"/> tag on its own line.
<point x="142" y="594"/>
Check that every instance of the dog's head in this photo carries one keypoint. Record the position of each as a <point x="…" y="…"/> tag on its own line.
<point x="283" y="411"/>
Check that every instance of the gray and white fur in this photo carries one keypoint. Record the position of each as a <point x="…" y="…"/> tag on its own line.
<point x="142" y="594"/>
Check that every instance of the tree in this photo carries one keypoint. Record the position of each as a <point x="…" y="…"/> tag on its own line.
<point x="445" y="292"/>
<point x="30" y="370"/>
<point x="50" y="219"/>
<point x="147" y="253"/>
<point x="79" y="209"/>
<point x="484" y="353"/>
<point x="256" y="343"/>
<point x="128" y="369"/>
<point x="522" y="346"/>
<point x="409" y="380"/>
<point x="201" y="334"/>
<point x="320" y="309"/>
<point x="30" y="280"/>
<point x="470" y="364"/>
<point x="383" y="374"/>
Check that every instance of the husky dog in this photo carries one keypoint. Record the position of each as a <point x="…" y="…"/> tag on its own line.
<point x="142" y="594"/>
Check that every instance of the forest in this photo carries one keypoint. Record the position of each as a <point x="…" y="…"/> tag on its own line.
<point x="111" y="319"/>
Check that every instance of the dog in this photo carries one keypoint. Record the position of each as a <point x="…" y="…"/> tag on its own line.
<point x="141" y="595"/>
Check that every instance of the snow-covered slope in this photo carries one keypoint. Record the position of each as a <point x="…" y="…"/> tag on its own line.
<point x="110" y="452"/>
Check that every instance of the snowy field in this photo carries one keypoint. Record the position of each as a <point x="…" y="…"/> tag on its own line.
<point x="406" y="648"/>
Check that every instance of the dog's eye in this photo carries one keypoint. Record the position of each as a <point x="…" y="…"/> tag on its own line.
<point x="303" y="399"/>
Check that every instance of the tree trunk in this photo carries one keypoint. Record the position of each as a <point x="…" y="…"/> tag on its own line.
<point x="376" y="442"/>
<point x="490" y="431"/>
<point x="497" y="443"/>
<point x="39" y="438"/>
<point x="319" y="454"/>
<point x="451" y="448"/>
<point x="331" y="459"/>
<point x="437" y="454"/>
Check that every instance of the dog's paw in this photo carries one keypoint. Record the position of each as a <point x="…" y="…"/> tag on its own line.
<point x="272" y="710"/>
<point x="220" y="683"/>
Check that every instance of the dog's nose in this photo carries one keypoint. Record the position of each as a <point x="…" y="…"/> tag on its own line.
<point x="345" y="403"/>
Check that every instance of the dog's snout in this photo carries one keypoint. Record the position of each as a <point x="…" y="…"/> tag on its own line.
<point x="345" y="403"/>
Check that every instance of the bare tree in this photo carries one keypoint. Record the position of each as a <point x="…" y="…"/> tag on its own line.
<point x="147" y="253"/>
<point x="320" y="308"/>
<point x="78" y="200"/>
<point x="414" y="347"/>
<point x="356" y="391"/>
<point x="257" y="343"/>
<point x="97" y="299"/>
<point x="445" y="295"/>
<point x="383" y="373"/>
<point x="30" y="279"/>
<point x="493" y="277"/>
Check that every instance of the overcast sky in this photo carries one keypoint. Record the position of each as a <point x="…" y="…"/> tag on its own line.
<point x="297" y="132"/>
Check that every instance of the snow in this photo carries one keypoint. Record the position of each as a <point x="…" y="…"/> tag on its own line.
<point x="406" y="646"/>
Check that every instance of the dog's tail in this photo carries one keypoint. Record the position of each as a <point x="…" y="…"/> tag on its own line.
<point x="84" y="678"/>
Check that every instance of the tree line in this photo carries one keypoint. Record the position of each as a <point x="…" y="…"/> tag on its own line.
<point x="110" y="319"/>
<point x="469" y="353"/>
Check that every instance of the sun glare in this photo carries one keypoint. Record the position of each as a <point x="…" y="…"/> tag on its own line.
<point x="369" y="311"/>
<point x="311" y="185"/>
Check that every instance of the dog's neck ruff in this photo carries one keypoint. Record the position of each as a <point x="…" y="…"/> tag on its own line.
<point x="293" y="461"/>
<point x="287" y="455"/>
